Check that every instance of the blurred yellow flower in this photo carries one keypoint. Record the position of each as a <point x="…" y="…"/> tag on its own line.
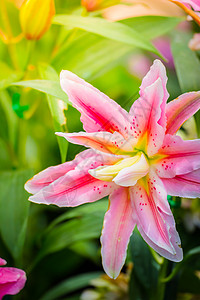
<point x="35" y="17"/>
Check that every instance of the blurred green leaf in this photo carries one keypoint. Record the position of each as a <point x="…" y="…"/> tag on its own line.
<point x="88" y="208"/>
<point x="57" y="108"/>
<point x="187" y="67"/>
<point x="8" y="75"/>
<point x="14" y="209"/>
<point x="189" y="256"/>
<point x="145" y="271"/>
<point x="58" y="236"/>
<point x="152" y="26"/>
<point x="5" y="161"/>
<point x="90" y="55"/>
<point x="186" y="62"/>
<point x="88" y="249"/>
<point x="112" y="30"/>
<point x="49" y="87"/>
<point x="136" y="289"/>
<point x="189" y="283"/>
<point x="12" y="122"/>
<point x="70" y="285"/>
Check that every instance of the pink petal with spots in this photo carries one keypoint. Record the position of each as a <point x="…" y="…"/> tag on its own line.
<point x="155" y="220"/>
<point x="148" y="112"/>
<point x="103" y="141"/>
<point x="50" y="174"/>
<point x="77" y="186"/>
<point x="12" y="280"/>
<point x="181" y="157"/>
<point x="98" y="111"/>
<point x="187" y="185"/>
<point x="180" y="110"/>
<point x="117" y="229"/>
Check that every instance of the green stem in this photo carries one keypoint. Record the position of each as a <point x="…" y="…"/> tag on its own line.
<point x="12" y="155"/>
<point x="160" y="293"/>
<point x="29" y="51"/>
<point x="22" y="143"/>
<point x="156" y="257"/>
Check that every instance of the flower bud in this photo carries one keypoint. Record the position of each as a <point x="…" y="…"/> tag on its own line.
<point x="35" y="17"/>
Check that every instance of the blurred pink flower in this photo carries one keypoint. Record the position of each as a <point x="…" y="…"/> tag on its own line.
<point x="12" y="280"/>
<point x="194" y="43"/>
<point x="139" y="64"/>
<point x="163" y="45"/>
<point x="134" y="157"/>
<point x="188" y="5"/>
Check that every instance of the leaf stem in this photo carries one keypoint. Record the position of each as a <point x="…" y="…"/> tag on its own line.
<point x="160" y="293"/>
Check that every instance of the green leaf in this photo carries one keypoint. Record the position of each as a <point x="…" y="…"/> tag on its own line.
<point x="186" y="62"/>
<point x="88" y="249"/>
<point x="70" y="285"/>
<point x="90" y="55"/>
<point x="57" y="108"/>
<point x="49" y="87"/>
<point x="152" y="26"/>
<point x="86" y="227"/>
<point x="111" y="30"/>
<point x="85" y="209"/>
<point x="187" y="67"/>
<point x="11" y="119"/>
<point x="14" y="209"/>
<point x="8" y="75"/>
<point x="145" y="271"/>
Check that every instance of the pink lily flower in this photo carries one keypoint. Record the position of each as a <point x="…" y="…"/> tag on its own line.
<point x="187" y="6"/>
<point x="12" y="280"/>
<point x="134" y="157"/>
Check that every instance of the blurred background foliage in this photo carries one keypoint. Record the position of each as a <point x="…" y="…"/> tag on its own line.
<point x="59" y="247"/>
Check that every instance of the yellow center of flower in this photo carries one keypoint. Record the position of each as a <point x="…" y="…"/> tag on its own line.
<point x="126" y="172"/>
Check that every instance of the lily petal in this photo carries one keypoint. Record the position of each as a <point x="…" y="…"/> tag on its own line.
<point x="92" y="103"/>
<point x="156" y="225"/>
<point x="117" y="229"/>
<point x="77" y="186"/>
<point x="49" y="175"/>
<point x="102" y="141"/>
<point x="157" y="70"/>
<point x="180" y="157"/>
<point x="187" y="185"/>
<point x="147" y="114"/>
<point x="181" y="109"/>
